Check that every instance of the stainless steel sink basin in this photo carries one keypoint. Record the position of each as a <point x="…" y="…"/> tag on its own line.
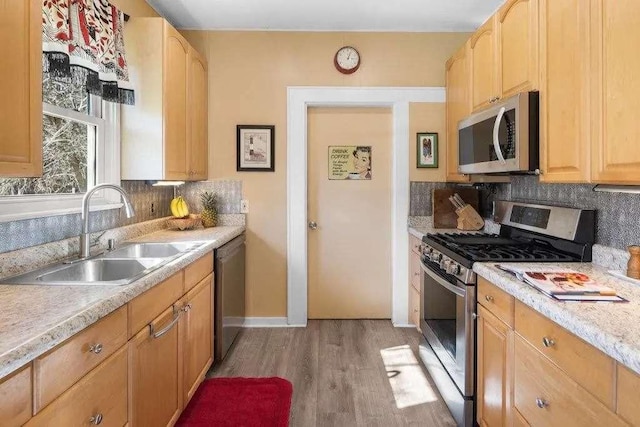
<point x="151" y="250"/>
<point x="118" y="271"/>
<point x="119" y="267"/>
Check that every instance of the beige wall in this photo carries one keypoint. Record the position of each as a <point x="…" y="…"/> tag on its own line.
<point x="427" y="118"/>
<point x="136" y="8"/>
<point x="248" y="76"/>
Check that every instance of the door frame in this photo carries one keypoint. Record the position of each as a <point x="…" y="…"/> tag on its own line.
<point x="299" y="99"/>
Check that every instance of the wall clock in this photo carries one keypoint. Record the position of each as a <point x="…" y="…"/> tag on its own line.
<point x="347" y="60"/>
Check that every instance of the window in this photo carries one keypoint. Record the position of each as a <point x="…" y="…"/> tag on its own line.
<point x="80" y="149"/>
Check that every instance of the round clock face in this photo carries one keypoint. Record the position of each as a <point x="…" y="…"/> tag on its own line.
<point x="347" y="60"/>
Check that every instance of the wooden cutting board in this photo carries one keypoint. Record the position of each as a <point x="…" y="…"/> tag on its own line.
<point x="444" y="213"/>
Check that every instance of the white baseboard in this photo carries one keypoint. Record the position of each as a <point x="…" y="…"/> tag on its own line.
<point x="269" y="322"/>
<point x="404" y="325"/>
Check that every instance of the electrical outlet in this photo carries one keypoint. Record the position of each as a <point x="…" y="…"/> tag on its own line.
<point x="153" y="209"/>
<point x="244" y="206"/>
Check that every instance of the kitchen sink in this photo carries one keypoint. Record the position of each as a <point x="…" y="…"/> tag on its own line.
<point x="151" y="250"/>
<point x="118" y="267"/>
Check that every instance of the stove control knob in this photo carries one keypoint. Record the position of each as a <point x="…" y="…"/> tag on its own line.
<point x="453" y="268"/>
<point x="436" y="256"/>
<point x="444" y="264"/>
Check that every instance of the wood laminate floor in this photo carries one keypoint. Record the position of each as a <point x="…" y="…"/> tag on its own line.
<point x="344" y="373"/>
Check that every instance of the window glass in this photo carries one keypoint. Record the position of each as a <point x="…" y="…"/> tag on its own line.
<point x="68" y="148"/>
<point x="64" y="95"/>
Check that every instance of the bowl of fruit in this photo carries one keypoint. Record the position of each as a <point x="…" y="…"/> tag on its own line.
<point x="182" y="219"/>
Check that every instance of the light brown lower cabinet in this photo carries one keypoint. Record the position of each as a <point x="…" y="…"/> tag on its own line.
<point x="16" y="398"/>
<point x="100" y="397"/>
<point x="495" y="341"/>
<point x="155" y="376"/>
<point x="527" y="374"/>
<point x="196" y="329"/>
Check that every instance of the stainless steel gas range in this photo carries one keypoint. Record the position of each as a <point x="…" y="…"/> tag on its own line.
<point x="528" y="233"/>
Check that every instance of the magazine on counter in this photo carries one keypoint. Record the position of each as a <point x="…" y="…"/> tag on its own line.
<point x="563" y="284"/>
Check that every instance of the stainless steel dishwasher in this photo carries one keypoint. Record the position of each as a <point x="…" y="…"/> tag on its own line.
<point x="229" y="296"/>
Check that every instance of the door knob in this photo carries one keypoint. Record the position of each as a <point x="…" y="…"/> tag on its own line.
<point x="313" y="225"/>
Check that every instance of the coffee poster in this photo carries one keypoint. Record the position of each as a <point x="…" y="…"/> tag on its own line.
<point x="349" y="162"/>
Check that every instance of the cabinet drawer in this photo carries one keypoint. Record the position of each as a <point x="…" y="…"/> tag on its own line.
<point x="546" y="396"/>
<point x="627" y="405"/>
<point x="146" y="307"/>
<point x="198" y="270"/>
<point x="497" y="301"/>
<point x="60" y="368"/>
<point x="414" y="307"/>
<point x="102" y="393"/>
<point x="15" y="398"/>
<point x="586" y="365"/>
<point x="415" y="244"/>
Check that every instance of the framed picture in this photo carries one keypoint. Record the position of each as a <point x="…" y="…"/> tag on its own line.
<point x="256" y="148"/>
<point x="427" y="149"/>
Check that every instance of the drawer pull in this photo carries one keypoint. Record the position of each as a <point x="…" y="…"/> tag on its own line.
<point x="96" y="348"/>
<point x="161" y="332"/>
<point x="96" y="419"/>
<point x="489" y="298"/>
<point x="548" y="342"/>
<point x="541" y="403"/>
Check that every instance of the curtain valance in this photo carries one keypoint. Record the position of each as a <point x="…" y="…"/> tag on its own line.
<point x="82" y="43"/>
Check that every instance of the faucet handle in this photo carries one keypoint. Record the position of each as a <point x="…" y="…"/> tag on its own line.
<point x="111" y="244"/>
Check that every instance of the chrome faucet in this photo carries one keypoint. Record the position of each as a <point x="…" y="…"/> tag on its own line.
<point x="85" y="245"/>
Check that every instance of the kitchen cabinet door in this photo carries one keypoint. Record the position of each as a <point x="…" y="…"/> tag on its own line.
<point x="197" y="335"/>
<point x="494" y="378"/>
<point x="16" y="398"/>
<point x="198" y="147"/>
<point x="484" y="63"/>
<point x="517" y="55"/>
<point x="564" y="91"/>
<point x="176" y="51"/>
<point x="21" y="89"/>
<point x="457" y="86"/>
<point x="615" y="92"/>
<point x="154" y="373"/>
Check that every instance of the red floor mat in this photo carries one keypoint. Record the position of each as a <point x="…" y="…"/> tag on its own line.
<point x="239" y="402"/>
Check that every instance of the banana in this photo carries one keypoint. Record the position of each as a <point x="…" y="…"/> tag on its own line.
<point x="179" y="208"/>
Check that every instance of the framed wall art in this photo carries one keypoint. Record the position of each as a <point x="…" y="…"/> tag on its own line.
<point x="427" y="149"/>
<point x="350" y="162"/>
<point x="255" y="148"/>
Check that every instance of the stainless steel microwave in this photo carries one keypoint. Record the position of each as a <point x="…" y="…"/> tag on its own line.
<point x="504" y="138"/>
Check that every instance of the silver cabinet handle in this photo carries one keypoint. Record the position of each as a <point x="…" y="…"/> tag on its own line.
<point x="96" y="419"/>
<point x="541" y="403"/>
<point x="313" y="225"/>
<point x="548" y="342"/>
<point x="96" y="348"/>
<point x="161" y="332"/>
<point x="489" y="298"/>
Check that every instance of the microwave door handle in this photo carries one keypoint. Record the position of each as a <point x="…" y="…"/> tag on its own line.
<point x="496" y="130"/>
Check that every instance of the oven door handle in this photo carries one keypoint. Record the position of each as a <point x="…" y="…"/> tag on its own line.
<point x="450" y="287"/>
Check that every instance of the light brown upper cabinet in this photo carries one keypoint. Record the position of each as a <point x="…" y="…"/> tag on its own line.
<point x="164" y="135"/>
<point x="564" y="94"/>
<point x="517" y="47"/>
<point x="457" y="86"/>
<point x="615" y="91"/>
<point x="483" y="62"/>
<point x="21" y="89"/>
<point x="198" y="120"/>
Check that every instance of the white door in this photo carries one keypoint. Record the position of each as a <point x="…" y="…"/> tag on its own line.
<point x="349" y="238"/>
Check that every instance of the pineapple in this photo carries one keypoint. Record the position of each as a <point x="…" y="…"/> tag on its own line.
<point x="209" y="210"/>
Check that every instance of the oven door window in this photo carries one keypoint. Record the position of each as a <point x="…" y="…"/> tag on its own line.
<point x="444" y="314"/>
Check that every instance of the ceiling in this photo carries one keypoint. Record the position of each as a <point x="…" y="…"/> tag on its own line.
<point x="328" y="15"/>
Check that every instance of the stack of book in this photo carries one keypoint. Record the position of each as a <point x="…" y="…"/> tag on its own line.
<point x="563" y="284"/>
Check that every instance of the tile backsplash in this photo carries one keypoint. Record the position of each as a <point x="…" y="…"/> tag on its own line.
<point x="32" y="232"/>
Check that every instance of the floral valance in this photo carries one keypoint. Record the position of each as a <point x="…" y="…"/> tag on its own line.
<point x="82" y="43"/>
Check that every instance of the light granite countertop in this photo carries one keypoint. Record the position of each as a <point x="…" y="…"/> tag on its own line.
<point x="614" y="328"/>
<point x="34" y="319"/>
